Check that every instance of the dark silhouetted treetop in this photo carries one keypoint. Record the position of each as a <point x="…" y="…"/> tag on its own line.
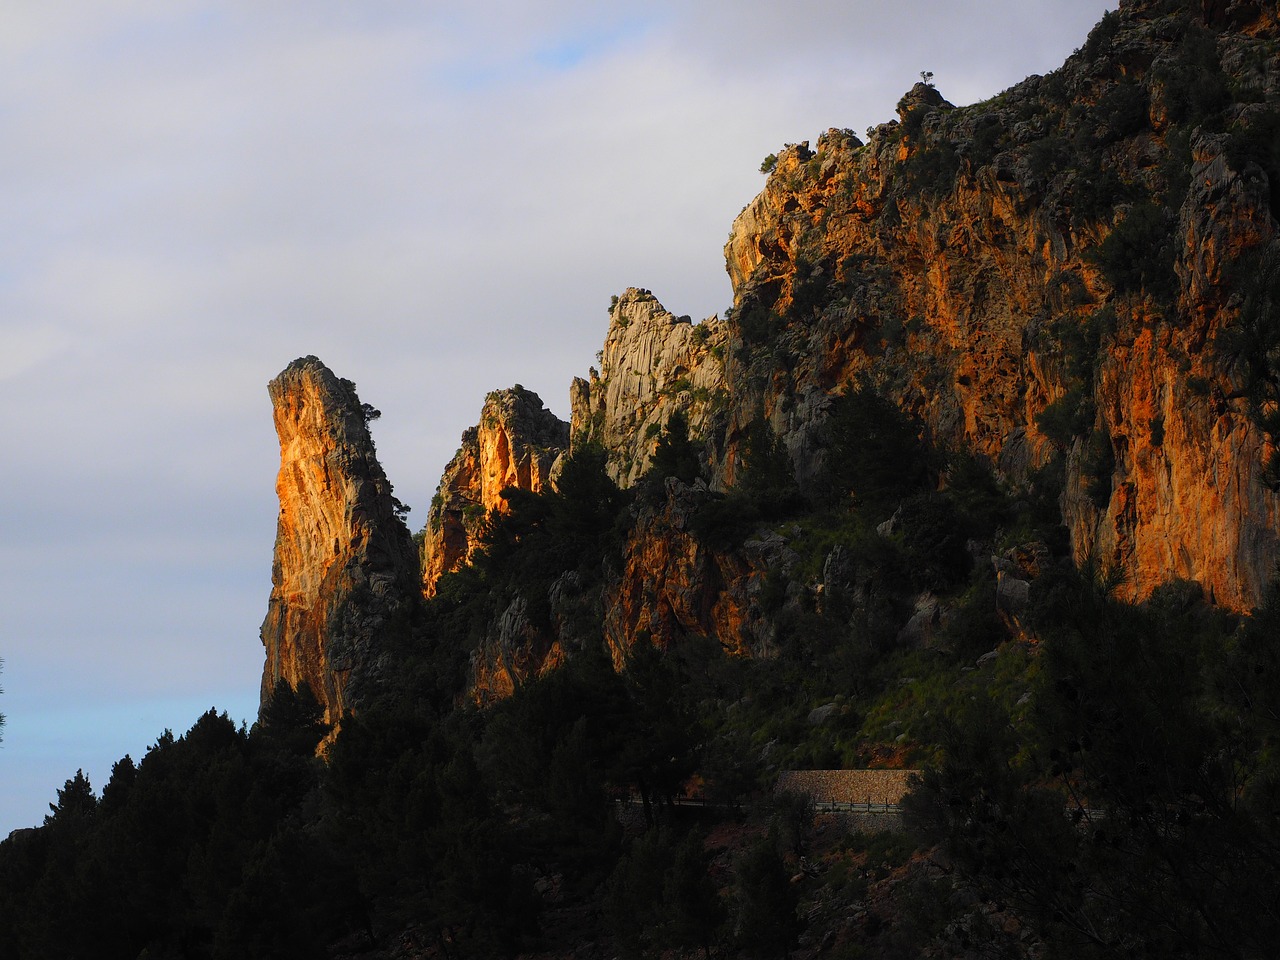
<point x="675" y="454"/>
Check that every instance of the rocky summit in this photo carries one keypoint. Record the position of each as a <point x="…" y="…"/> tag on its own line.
<point x="653" y="363"/>
<point x="342" y="577"/>
<point x="516" y="444"/>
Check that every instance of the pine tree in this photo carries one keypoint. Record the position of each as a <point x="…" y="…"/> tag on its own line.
<point x="695" y="913"/>
<point x="765" y="920"/>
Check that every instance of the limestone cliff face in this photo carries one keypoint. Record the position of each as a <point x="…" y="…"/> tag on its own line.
<point x="344" y="573"/>
<point x="1075" y="250"/>
<point x="672" y="585"/>
<point x="516" y="444"/>
<point x="515" y="649"/>
<point x="1188" y="497"/>
<point x="1076" y="280"/>
<point x="1058" y="280"/>
<point x="652" y="364"/>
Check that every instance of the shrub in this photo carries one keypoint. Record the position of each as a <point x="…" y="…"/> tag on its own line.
<point x="765" y="921"/>
<point x="1046" y="156"/>
<point x="1097" y="466"/>
<point x="1121" y="112"/>
<point x="676" y="455"/>
<point x="933" y="538"/>
<point x="873" y="451"/>
<point x="1096" y="189"/>
<point x="1137" y="255"/>
<point x="988" y="133"/>
<point x="932" y="169"/>
<point x="808" y="287"/>
<point x="1101" y="37"/>
<point x="756" y="324"/>
<point x="1066" y="418"/>
<point x="1195" y="88"/>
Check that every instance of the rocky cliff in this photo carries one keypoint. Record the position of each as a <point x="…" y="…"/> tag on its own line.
<point x="344" y="574"/>
<point x="1075" y="281"/>
<point x="516" y="444"/>
<point x="1073" y="284"/>
<point x="1056" y="278"/>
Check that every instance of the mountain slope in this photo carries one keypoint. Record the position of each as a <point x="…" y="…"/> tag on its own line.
<point x="1071" y="287"/>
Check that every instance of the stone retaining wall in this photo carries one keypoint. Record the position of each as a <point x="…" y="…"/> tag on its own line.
<point x="847" y="786"/>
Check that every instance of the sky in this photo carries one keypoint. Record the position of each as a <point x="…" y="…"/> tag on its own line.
<point x="437" y="200"/>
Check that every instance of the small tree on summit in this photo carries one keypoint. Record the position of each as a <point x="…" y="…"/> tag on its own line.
<point x="76" y="804"/>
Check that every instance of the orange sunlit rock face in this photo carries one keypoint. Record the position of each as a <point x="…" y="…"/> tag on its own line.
<point x="949" y="298"/>
<point x="342" y="575"/>
<point x="673" y="586"/>
<point x="516" y="444"/>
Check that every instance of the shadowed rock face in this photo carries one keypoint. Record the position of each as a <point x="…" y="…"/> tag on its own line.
<point x="344" y="572"/>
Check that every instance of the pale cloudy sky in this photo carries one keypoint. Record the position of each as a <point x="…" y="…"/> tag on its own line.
<point x="437" y="200"/>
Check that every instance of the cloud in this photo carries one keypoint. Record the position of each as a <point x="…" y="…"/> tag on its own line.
<point x="23" y="348"/>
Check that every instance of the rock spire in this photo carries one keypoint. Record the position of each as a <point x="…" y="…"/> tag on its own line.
<point x="344" y="572"/>
<point x="516" y="444"/>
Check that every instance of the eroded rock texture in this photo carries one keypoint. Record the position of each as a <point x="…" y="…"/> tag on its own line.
<point x="1076" y="281"/>
<point x="1063" y="271"/>
<point x="344" y="575"/>
<point x="672" y="585"/>
<point x="516" y="444"/>
<point x="653" y="363"/>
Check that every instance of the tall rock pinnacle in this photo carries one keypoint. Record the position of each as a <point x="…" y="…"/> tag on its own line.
<point x="344" y="574"/>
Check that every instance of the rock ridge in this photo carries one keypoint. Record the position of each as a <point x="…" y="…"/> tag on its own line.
<point x="1073" y="282"/>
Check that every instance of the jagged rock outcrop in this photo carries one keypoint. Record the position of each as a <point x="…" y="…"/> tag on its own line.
<point x="516" y="444"/>
<point x="344" y="576"/>
<point x="1052" y="280"/>
<point x="674" y="585"/>
<point x="1075" y="281"/>
<point x="653" y="363"/>
<point x="1058" y="275"/>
